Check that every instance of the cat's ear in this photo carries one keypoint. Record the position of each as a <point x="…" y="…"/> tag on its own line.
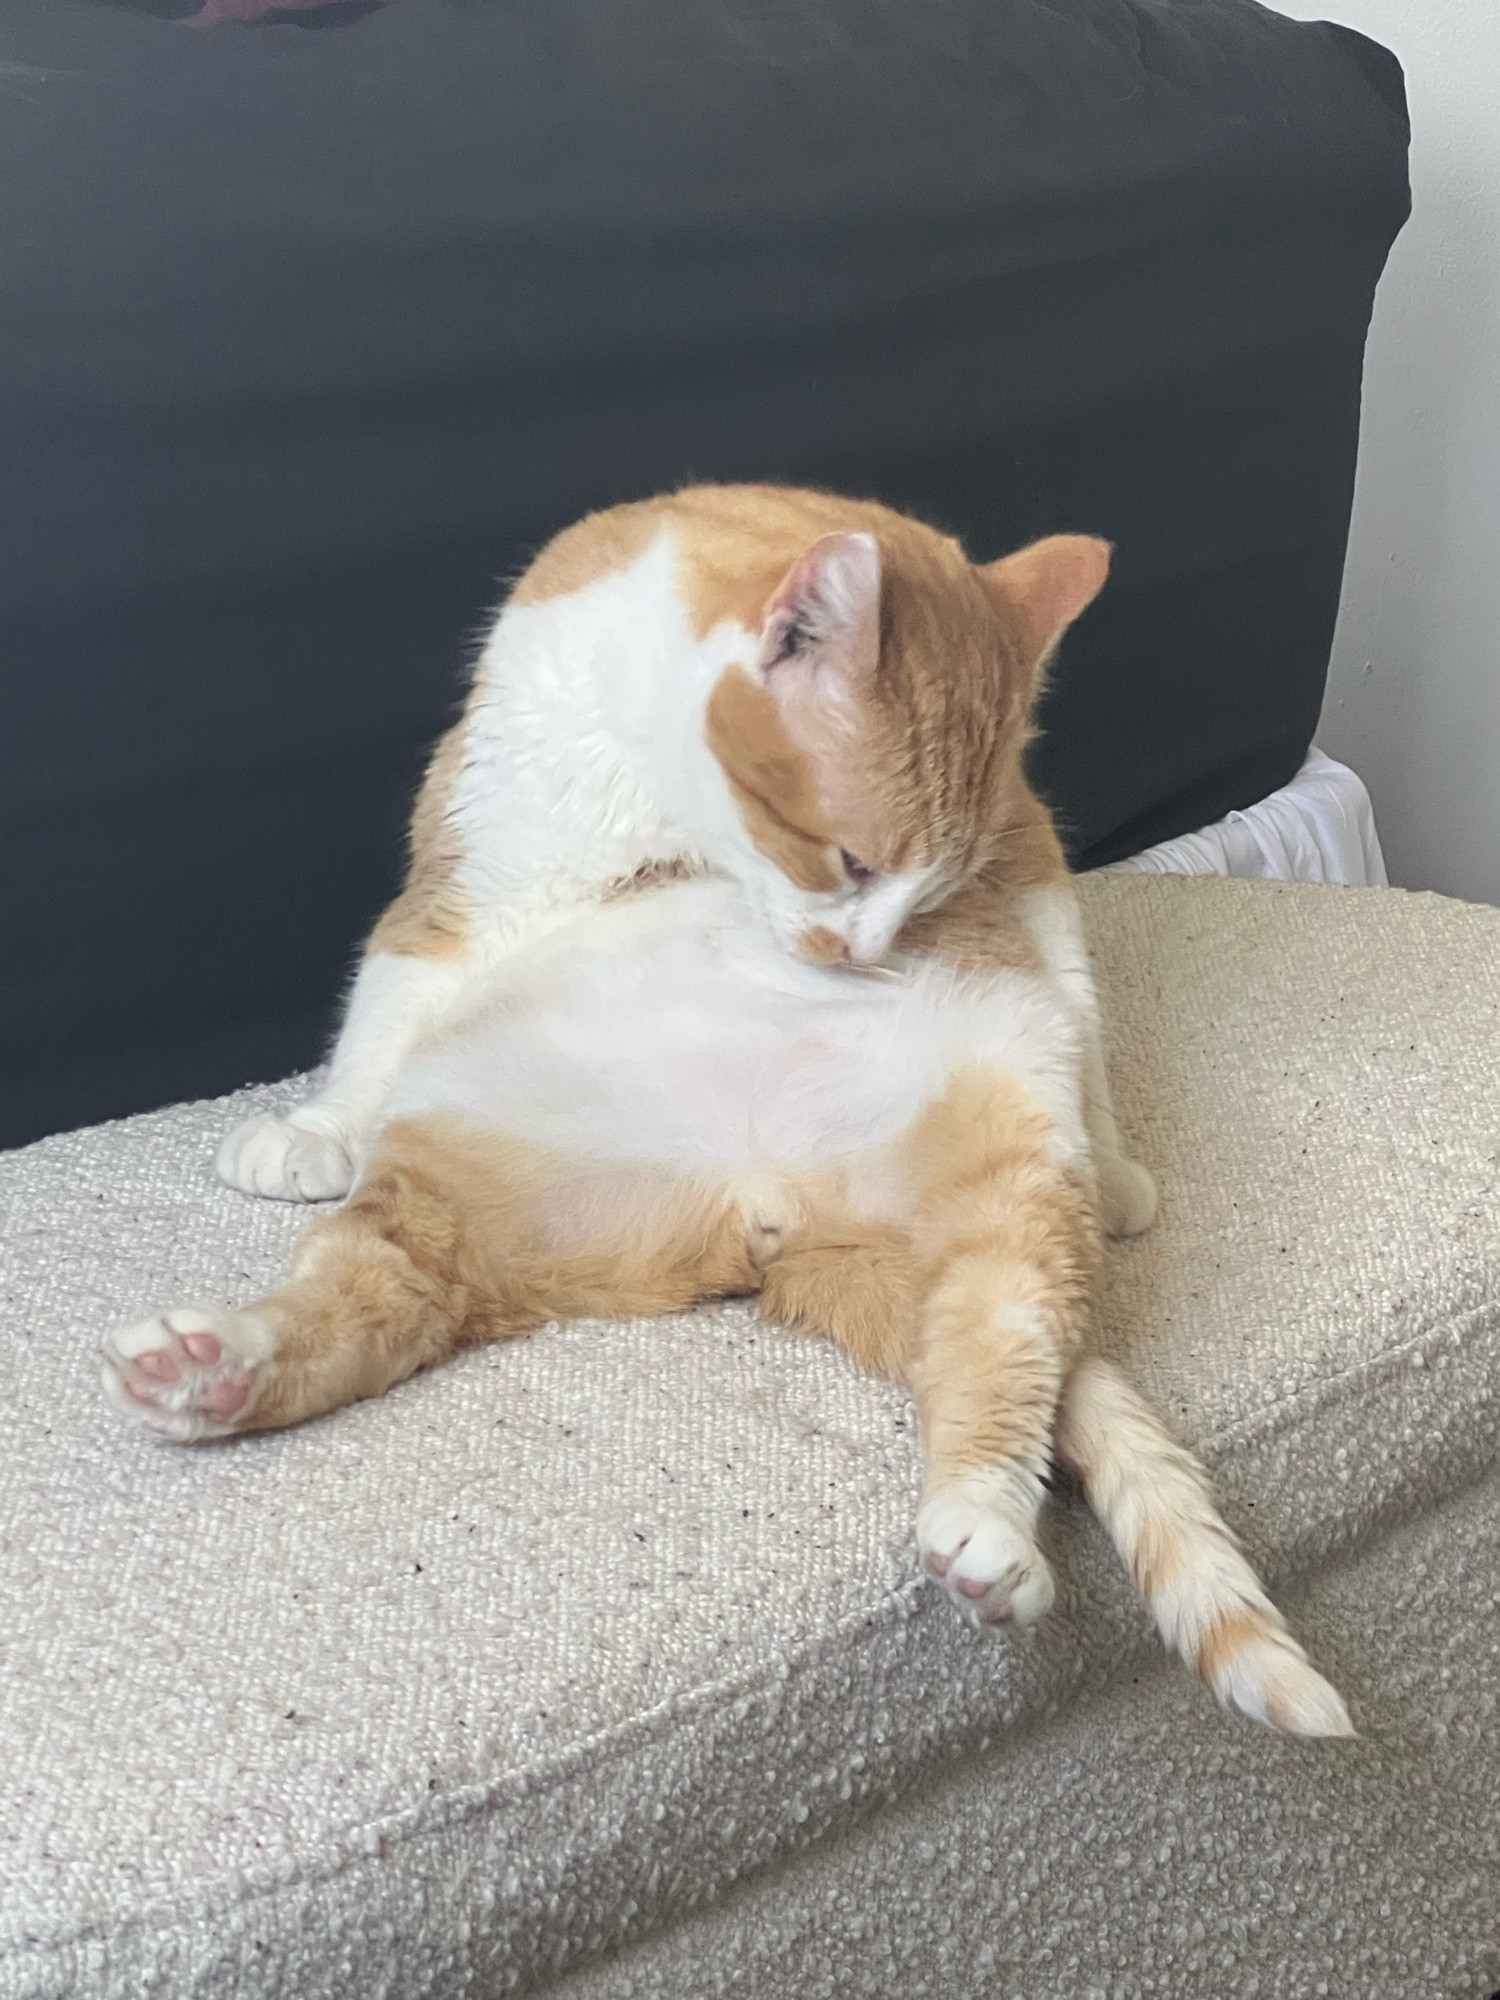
<point x="1046" y="586"/>
<point x="821" y="638"/>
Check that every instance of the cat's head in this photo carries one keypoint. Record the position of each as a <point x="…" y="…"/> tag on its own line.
<point x="872" y="745"/>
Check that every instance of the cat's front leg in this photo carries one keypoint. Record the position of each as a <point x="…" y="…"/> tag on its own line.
<point x="314" y="1152"/>
<point x="1127" y="1193"/>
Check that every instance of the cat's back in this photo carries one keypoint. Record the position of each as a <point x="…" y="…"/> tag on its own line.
<point x="730" y="546"/>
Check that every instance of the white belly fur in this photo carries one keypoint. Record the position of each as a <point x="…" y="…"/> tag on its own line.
<point x="664" y="1031"/>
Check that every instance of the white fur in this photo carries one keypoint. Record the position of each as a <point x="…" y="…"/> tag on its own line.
<point x="1145" y="1487"/>
<point x="278" y="1158"/>
<point x="869" y="922"/>
<point x="314" y="1152"/>
<point x="177" y="1410"/>
<point x="583" y="761"/>
<point x="583" y="750"/>
<point x="1054" y="923"/>
<point x="977" y="1538"/>
<point x="669" y="1031"/>
<point x="676" y="1032"/>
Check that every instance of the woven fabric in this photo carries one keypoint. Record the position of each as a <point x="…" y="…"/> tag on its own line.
<point x="1136" y="1849"/>
<point x="444" y="1693"/>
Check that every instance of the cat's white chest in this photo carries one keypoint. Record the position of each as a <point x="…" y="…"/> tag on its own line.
<point x="669" y="1032"/>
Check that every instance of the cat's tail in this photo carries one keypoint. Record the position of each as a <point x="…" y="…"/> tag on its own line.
<point x="1153" y="1498"/>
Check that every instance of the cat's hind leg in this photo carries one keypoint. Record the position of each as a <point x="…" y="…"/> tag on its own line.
<point x="977" y="1302"/>
<point x="191" y="1373"/>
<point x="376" y="1291"/>
<point x="1006" y="1241"/>
<point x="452" y="1238"/>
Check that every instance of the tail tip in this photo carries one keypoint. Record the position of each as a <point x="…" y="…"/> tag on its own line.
<point x="1272" y="1681"/>
<point x="1303" y="1704"/>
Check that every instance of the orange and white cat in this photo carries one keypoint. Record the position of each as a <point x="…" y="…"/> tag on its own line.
<point x="737" y="956"/>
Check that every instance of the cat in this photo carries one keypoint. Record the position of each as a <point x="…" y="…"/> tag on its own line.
<point x="737" y="956"/>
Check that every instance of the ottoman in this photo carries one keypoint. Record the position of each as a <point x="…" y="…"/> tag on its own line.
<point x="597" y="1663"/>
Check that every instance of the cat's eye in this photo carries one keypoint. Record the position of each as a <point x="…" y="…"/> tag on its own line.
<point x="859" y="874"/>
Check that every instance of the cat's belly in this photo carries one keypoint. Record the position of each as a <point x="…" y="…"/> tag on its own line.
<point x="672" y="1034"/>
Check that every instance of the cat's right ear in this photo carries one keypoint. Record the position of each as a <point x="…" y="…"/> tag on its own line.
<point x="820" y="641"/>
<point x="1045" y="587"/>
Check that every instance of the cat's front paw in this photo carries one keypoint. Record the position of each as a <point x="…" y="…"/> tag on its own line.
<point x="1127" y="1196"/>
<point x="990" y="1567"/>
<point x="190" y="1374"/>
<point x="274" y="1157"/>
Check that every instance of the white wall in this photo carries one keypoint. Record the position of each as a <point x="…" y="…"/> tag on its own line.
<point x="1414" y="694"/>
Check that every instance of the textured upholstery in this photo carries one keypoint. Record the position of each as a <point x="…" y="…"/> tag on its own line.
<point x="548" y="1650"/>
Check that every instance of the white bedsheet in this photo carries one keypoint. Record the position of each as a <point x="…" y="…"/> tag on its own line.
<point x="1319" y="828"/>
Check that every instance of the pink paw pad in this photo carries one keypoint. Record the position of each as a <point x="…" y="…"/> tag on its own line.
<point x="184" y="1378"/>
<point x="159" y="1363"/>
<point x="984" y="1558"/>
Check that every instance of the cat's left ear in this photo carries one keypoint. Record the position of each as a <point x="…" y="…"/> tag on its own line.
<point x="821" y="638"/>
<point x="1045" y="587"/>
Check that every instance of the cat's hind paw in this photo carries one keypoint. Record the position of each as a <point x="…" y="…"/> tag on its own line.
<point x="287" y="1162"/>
<point x="190" y="1374"/>
<point x="989" y="1566"/>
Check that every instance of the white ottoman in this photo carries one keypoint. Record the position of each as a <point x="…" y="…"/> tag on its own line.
<point x="597" y="1663"/>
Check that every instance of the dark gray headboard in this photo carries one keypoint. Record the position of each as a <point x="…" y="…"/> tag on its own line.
<point x="311" y="332"/>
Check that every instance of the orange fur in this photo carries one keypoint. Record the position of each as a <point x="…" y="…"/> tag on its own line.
<point x="589" y="549"/>
<point x="937" y="755"/>
<point x="456" y="1237"/>
<point x="933" y="765"/>
<point x="429" y="919"/>
<point x="451" y="1236"/>
<point x="890" y="725"/>
<point x="773" y="783"/>
<point x="1154" y="1499"/>
<point x="1007" y="1248"/>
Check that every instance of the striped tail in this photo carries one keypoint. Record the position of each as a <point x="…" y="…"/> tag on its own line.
<point x="1153" y="1498"/>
